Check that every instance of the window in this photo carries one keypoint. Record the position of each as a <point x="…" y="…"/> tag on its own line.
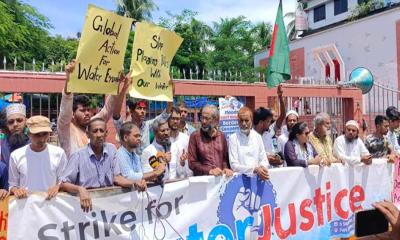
<point x="340" y="6"/>
<point x="319" y="13"/>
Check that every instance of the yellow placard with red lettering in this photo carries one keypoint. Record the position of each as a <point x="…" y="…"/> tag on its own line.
<point x="101" y="52"/>
<point x="3" y="218"/>
<point x="152" y="53"/>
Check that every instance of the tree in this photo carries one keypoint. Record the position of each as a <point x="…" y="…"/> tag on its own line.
<point x="23" y="30"/>
<point x="136" y="9"/>
<point x="291" y="26"/>
<point x="233" y="48"/>
<point x="192" y="54"/>
<point x="59" y="49"/>
<point x="262" y="36"/>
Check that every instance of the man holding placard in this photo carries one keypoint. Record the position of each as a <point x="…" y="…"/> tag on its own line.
<point x="101" y="52"/>
<point x="75" y="115"/>
<point x="152" y="53"/>
<point x="98" y="69"/>
<point x="153" y="50"/>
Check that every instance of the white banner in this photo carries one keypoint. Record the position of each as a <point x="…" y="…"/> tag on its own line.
<point x="297" y="203"/>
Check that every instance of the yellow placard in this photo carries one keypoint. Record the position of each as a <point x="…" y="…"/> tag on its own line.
<point x="3" y="218"/>
<point x="152" y="53"/>
<point x="101" y="51"/>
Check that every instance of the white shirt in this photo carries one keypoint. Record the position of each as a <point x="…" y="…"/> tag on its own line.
<point x="246" y="152"/>
<point x="36" y="171"/>
<point x="268" y="139"/>
<point x="351" y="152"/>
<point x="282" y="140"/>
<point x="392" y="137"/>
<point x="172" y="171"/>
<point x="181" y="143"/>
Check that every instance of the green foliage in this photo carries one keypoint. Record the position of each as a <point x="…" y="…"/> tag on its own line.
<point x="137" y="9"/>
<point x="234" y="42"/>
<point x="24" y="36"/>
<point x="192" y="55"/>
<point x="365" y="8"/>
<point x="226" y="48"/>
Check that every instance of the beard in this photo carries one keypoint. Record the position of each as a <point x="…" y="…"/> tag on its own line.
<point x="207" y="128"/>
<point x="166" y="143"/>
<point x="17" y="140"/>
<point x="245" y="131"/>
<point x="349" y="139"/>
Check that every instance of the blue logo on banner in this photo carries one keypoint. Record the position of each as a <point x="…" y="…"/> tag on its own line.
<point x="243" y="197"/>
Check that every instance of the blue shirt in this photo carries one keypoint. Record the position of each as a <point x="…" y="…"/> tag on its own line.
<point x="6" y="150"/>
<point x="85" y="170"/>
<point x="129" y="163"/>
<point x="3" y="176"/>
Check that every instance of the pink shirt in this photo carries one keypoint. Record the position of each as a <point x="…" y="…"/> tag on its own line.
<point x="70" y="136"/>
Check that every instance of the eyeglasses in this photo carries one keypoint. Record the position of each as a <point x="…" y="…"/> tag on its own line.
<point x="205" y="118"/>
<point x="12" y="121"/>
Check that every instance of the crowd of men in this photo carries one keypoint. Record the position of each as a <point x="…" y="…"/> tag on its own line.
<point x="168" y="147"/>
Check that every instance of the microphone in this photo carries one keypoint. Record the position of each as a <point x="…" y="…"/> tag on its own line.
<point x="154" y="162"/>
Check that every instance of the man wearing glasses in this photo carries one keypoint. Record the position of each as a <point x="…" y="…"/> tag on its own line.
<point x="16" y="137"/>
<point x="208" y="148"/>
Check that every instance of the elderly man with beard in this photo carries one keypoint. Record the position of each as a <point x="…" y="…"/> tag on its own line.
<point x="160" y="148"/>
<point x="320" y="138"/>
<point x="208" y="149"/>
<point x="246" y="151"/>
<point x="349" y="148"/>
<point x="16" y="137"/>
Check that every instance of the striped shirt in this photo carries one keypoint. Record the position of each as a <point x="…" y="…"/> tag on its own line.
<point x="129" y="163"/>
<point x="85" y="170"/>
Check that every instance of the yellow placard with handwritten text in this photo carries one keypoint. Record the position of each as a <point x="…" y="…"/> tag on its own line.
<point x="101" y="51"/>
<point x="152" y="53"/>
<point x="3" y="218"/>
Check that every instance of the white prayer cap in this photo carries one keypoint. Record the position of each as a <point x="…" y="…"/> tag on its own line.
<point x="352" y="123"/>
<point x="15" y="108"/>
<point x="292" y="112"/>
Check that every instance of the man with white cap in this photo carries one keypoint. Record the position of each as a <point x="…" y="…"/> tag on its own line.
<point x="16" y="138"/>
<point x="37" y="166"/>
<point x="349" y="148"/>
<point x="292" y="117"/>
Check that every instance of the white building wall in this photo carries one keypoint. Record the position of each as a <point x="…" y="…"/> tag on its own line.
<point x="369" y="42"/>
<point x="330" y="14"/>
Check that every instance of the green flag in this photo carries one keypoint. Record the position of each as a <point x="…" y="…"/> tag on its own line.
<point x="278" y="63"/>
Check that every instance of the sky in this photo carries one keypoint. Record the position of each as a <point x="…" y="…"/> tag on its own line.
<point x="67" y="16"/>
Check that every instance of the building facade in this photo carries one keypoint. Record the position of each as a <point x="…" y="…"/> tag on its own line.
<point x="329" y="54"/>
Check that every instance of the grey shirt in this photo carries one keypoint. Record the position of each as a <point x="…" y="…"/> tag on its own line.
<point x="85" y="170"/>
